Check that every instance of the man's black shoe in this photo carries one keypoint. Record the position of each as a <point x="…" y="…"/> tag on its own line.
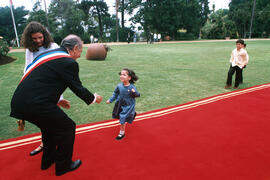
<point x="73" y="166"/>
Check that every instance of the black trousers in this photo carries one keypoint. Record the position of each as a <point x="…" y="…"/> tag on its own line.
<point x="58" y="135"/>
<point x="241" y="77"/>
<point x="238" y="76"/>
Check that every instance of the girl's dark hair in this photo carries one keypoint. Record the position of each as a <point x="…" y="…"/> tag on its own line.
<point x="240" y="41"/>
<point x="31" y="28"/>
<point x="132" y="74"/>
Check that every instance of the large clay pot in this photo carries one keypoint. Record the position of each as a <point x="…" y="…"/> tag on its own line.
<point x="167" y="38"/>
<point x="96" y="51"/>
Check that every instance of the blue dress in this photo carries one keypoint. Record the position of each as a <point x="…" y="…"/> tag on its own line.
<point x="124" y="108"/>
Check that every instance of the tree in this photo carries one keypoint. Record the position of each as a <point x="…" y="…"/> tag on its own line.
<point x="219" y="26"/>
<point x="204" y="12"/>
<point x="240" y="13"/>
<point x="236" y="21"/>
<point x="122" y="9"/>
<point x="168" y="16"/>
<point x="95" y="13"/>
<point x="100" y="10"/>
<point x="252" y="17"/>
<point x="6" y="24"/>
<point x="156" y="16"/>
<point x="65" y="18"/>
<point x="127" y="7"/>
<point x="192" y="19"/>
<point x="37" y="14"/>
<point x="261" y="26"/>
<point x="117" y="23"/>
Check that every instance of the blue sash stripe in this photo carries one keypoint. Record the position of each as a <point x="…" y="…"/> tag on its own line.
<point x="43" y="55"/>
<point x="47" y="56"/>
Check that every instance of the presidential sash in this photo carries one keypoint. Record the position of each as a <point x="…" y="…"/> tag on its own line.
<point x="41" y="59"/>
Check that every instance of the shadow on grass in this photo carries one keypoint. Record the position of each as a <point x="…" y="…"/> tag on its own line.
<point x="6" y="59"/>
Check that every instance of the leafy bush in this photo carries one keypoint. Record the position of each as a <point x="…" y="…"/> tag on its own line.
<point x="3" y="47"/>
<point x="185" y="36"/>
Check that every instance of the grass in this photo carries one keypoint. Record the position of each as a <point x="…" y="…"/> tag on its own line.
<point x="169" y="74"/>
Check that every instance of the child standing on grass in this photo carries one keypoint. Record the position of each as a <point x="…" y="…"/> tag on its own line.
<point x="124" y="94"/>
<point x="237" y="62"/>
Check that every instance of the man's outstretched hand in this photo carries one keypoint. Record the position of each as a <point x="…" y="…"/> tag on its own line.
<point x="64" y="104"/>
<point x="98" y="98"/>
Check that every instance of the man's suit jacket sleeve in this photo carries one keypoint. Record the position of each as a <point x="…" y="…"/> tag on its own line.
<point x="71" y="77"/>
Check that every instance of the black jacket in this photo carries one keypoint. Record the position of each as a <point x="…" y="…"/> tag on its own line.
<point x="41" y="89"/>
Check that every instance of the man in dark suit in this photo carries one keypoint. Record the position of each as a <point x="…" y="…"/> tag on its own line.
<point x="35" y="100"/>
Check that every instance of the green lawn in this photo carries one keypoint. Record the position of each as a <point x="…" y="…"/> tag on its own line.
<point x="169" y="74"/>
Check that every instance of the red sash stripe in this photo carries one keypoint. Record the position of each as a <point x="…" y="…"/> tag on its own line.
<point x="42" y="62"/>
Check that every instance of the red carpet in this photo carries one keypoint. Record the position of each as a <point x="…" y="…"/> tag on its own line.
<point x="224" y="137"/>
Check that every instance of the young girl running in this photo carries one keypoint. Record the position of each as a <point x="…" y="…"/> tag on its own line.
<point x="124" y="94"/>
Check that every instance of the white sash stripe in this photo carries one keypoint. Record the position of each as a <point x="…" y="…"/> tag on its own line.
<point x="32" y="66"/>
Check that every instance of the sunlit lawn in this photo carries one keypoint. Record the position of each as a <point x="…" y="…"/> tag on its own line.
<point x="169" y="74"/>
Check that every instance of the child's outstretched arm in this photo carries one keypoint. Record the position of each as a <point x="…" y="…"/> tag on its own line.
<point x="134" y="93"/>
<point x="114" y="96"/>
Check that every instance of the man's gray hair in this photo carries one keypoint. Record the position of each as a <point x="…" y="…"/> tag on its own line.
<point x="70" y="41"/>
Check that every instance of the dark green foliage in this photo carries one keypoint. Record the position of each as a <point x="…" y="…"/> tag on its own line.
<point x="3" y="48"/>
<point x="95" y="12"/>
<point x="65" y="18"/>
<point x="37" y="14"/>
<point x="6" y="23"/>
<point x="240" y="14"/>
<point x="236" y="22"/>
<point x="262" y="19"/>
<point x="168" y="16"/>
<point x="219" y="26"/>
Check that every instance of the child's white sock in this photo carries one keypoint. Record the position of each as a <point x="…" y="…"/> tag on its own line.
<point x="122" y="132"/>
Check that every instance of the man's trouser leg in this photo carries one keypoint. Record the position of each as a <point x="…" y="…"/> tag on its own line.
<point x="58" y="135"/>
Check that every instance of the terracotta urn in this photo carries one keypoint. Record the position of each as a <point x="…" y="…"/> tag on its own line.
<point x="167" y="38"/>
<point x="96" y="51"/>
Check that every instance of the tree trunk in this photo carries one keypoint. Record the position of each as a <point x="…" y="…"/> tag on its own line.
<point x="200" y="33"/>
<point x="251" y="20"/>
<point x="116" y="13"/>
<point x="46" y="13"/>
<point x="123" y="13"/>
<point x="100" y="23"/>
